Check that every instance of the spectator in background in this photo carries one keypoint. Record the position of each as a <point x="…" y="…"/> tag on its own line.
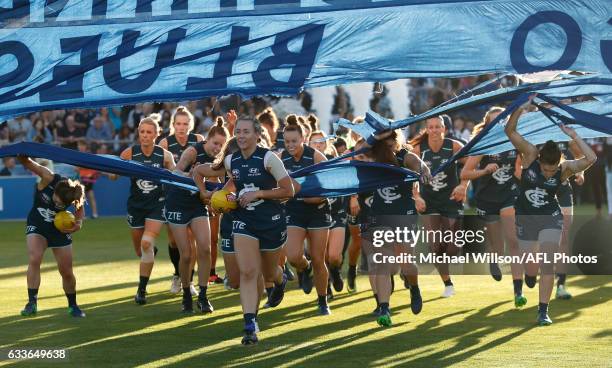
<point x="18" y="128"/>
<point x="114" y="116"/>
<point x="340" y="145"/>
<point x="88" y="178"/>
<point x="70" y="134"/>
<point x="39" y="132"/>
<point x="596" y="174"/>
<point x="4" y="134"/>
<point x="99" y="131"/>
<point x="123" y="139"/>
<point x="9" y="166"/>
<point x="459" y="129"/>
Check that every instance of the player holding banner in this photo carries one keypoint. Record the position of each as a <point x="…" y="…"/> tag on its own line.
<point x="53" y="194"/>
<point x="538" y="215"/>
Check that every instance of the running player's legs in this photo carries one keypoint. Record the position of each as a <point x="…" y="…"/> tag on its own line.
<point x="317" y="247"/>
<point x="560" y="267"/>
<point x="379" y="275"/>
<point x="232" y="272"/>
<point x="549" y="244"/>
<point x="194" y="253"/>
<point x="37" y="245"/>
<point x="63" y="257"/>
<point x="201" y="232"/>
<point x="354" y="250"/>
<point x="248" y="258"/>
<point x="147" y="246"/>
<point x="335" y="243"/>
<point x="272" y="272"/>
<point x="507" y="216"/>
<point x="295" y="247"/>
<point x="183" y="244"/>
<point x="214" y="241"/>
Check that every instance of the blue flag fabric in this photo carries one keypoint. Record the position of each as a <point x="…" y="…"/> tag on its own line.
<point x="105" y="163"/>
<point x="92" y="53"/>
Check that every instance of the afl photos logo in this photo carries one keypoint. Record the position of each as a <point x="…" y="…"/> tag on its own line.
<point x="388" y="194"/>
<point x="536" y="197"/>
<point x="145" y="186"/>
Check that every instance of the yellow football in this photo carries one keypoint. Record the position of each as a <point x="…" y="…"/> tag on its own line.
<point x="64" y="220"/>
<point x="223" y="201"/>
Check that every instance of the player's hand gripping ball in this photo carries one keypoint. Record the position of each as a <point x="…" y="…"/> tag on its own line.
<point x="64" y="220"/>
<point x="223" y="201"/>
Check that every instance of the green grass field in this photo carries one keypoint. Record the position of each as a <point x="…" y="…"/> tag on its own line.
<point x="478" y="327"/>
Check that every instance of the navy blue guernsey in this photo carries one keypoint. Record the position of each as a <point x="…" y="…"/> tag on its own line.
<point x="444" y="182"/>
<point x="250" y="174"/>
<point x="496" y="187"/>
<point x="296" y="205"/>
<point x="537" y="193"/>
<point x="184" y="196"/>
<point x="394" y="200"/>
<point x="145" y="194"/>
<point x="44" y="208"/>
<point x="175" y="147"/>
<point x="365" y="206"/>
<point x="337" y="204"/>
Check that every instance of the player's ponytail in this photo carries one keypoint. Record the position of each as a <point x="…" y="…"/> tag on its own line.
<point x="218" y="128"/>
<point x="70" y="192"/>
<point x="293" y="125"/>
<point x="313" y="121"/>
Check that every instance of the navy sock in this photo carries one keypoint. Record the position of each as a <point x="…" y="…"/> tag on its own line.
<point x="142" y="284"/>
<point x="192" y="272"/>
<point x="212" y="271"/>
<point x="32" y="295"/>
<point x="448" y="282"/>
<point x="530" y="281"/>
<point x="186" y="293"/>
<point x="561" y="279"/>
<point x="71" y="299"/>
<point x="269" y="291"/>
<point x="249" y="319"/>
<point x="384" y="307"/>
<point x="543" y="308"/>
<point x="352" y="270"/>
<point x="518" y="286"/>
<point x="322" y="300"/>
<point x="414" y="289"/>
<point x="203" y="290"/>
<point x="175" y="257"/>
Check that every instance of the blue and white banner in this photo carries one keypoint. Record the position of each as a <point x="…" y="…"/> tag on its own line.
<point x="69" y="53"/>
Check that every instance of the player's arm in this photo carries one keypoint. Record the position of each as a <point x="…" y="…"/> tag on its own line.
<point x="460" y="190"/>
<point x="413" y="162"/>
<point x="518" y="167"/>
<point x="79" y="215"/>
<point x="168" y="160"/>
<point x="588" y="156"/>
<point x="163" y="143"/>
<point x="46" y="175"/>
<point x="470" y="171"/>
<point x="187" y="159"/>
<point x="200" y="173"/>
<point x="577" y="153"/>
<point x="419" y="202"/>
<point x="528" y="151"/>
<point x="318" y="157"/>
<point x="126" y="154"/>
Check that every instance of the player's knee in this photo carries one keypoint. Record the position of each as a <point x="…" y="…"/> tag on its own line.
<point x="147" y="245"/>
<point x="66" y="273"/>
<point x="248" y="273"/>
<point x="334" y="260"/>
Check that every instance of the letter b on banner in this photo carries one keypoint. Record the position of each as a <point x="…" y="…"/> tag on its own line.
<point x="572" y="48"/>
<point x="301" y="61"/>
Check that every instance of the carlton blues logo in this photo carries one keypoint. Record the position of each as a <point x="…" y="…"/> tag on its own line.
<point x="537" y="197"/>
<point x="388" y="194"/>
<point x="502" y="175"/>
<point x="145" y="186"/>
